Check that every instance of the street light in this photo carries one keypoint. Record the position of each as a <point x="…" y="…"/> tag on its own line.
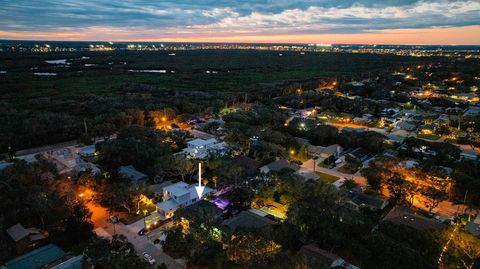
<point x="144" y="216"/>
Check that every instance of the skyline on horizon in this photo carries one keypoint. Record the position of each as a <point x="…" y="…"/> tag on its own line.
<point x="403" y="22"/>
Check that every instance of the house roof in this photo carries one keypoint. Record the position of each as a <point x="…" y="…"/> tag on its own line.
<point x="405" y="216"/>
<point x="178" y="189"/>
<point x="247" y="219"/>
<point x="168" y="205"/>
<point x="17" y="232"/>
<point x="72" y="263"/>
<point x="201" y="142"/>
<point x="132" y="173"/>
<point x="406" y="125"/>
<point x="37" y="258"/>
<point x="473" y="226"/>
<point x="359" y="153"/>
<point x="202" y="207"/>
<point x="332" y="149"/>
<point x="361" y="199"/>
<point x="312" y="251"/>
<point x="427" y="127"/>
<point x="315" y="149"/>
<point x="158" y="188"/>
<point x="281" y="164"/>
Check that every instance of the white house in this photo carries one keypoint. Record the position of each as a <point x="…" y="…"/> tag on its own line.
<point x="176" y="196"/>
<point x="202" y="148"/>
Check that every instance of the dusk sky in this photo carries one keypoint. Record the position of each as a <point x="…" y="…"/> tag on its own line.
<point x="279" y="21"/>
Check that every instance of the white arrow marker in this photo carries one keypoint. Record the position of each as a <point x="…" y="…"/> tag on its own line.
<point x="199" y="188"/>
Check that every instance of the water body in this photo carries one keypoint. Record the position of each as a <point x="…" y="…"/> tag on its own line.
<point x="61" y="61"/>
<point x="148" y="71"/>
<point x="45" y="74"/>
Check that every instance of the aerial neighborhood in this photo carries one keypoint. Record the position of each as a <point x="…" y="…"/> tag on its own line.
<point x="376" y="169"/>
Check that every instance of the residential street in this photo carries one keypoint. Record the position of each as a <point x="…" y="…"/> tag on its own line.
<point x="308" y="166"/>
<point x="141" y="243"/>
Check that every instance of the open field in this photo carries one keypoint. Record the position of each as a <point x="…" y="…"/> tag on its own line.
<point x="103" y="73"/>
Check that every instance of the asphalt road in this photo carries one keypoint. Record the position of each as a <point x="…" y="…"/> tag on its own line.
<point x="141" y="243"/>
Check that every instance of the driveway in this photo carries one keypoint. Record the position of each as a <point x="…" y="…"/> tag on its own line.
<point x="141" y="243"/>
<point x="309" y="165"/>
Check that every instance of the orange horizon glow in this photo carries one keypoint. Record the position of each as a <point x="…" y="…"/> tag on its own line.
<point x="467" y="35"/>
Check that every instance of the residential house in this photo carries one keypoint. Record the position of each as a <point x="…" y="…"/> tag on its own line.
<point x="246" y="219"/>
<point x="203" y="208"/>
<point x="359" y="154"/>
<point x="202" y="148"/>
<point x="427" y="129"/>
<point x="68" y="160"/>
<point x="403" y="215"/>
<point x="325" y="152"/>
<point x="25" y="238"/>
<point x="390" y="153"/>
<point x="44" y="257"/>
<point x="75" y="262"/>
<point x="278" y="166"/>
<point x="360" y="200"/>
<point x="473" y="226"/>
<point x="176" y="196"/>
<point x="316" y="256"/>
<point x="131" y="173"/>
<point x="472" y="111"/>
<point x="406" y="125"/>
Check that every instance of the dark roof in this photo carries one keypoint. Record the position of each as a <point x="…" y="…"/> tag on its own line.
<point x="359" y="153"/>
<point x="72" y="263"/>
<point x="132" y="173"/>
<point x="473" y="228"/>
<point x="405" y="216"/>
<point x="281" y="164"/>
<point x="361" y="199"/>
<point x="312" y="251"/>
<point x="202" y="207"/>
<point x="427" y="127"/>
<point x="37" y="258"/>
<point x="247" y="219"/>
<point x="390" y="153"/>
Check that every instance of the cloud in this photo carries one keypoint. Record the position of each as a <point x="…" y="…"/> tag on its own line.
<point x="158" y="19"/>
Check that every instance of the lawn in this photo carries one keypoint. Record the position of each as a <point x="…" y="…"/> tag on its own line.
<point x="429" y="136"/>
<point x="349" y="168"/>
<point x="326" y="177"/>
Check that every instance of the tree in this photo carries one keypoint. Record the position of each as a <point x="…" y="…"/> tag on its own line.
<point x="374" y="178"/>
<point x="434" y="197"/>
<point x="317" y="209"/>
<point x="117" y="253"/>
<point x="240" y="196"/>
<point x="250" y="249"/>
<point x="465" y="249"/>
<point x="398" y="186"/>
<point x="186" y="168"/>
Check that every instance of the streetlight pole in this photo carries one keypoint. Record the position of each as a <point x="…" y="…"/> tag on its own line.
<point x="144" y="217"/>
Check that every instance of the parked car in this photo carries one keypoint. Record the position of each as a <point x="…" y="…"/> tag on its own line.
<point x="148" y="258"/>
